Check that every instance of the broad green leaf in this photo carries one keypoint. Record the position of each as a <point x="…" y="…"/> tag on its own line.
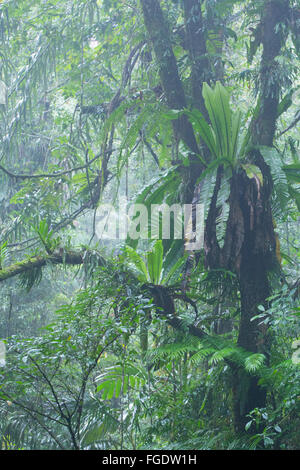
<point x="254" y="362"/>
<point x="110" y="390"/>
<point x="134" y="258"/>
<point x="236" y="129"/>
<point x="292" y="172"/>
<point x="173" y="269"/>
<point x="253" y="171"/>
<point x="201" y="126"/>
<point x="118" y="388"/>
<point x="224" y="118"/>
<point x="213" y="110"/>
<point x="155" y="262"/>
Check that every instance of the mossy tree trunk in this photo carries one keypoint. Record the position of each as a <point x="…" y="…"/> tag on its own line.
<point x="249" y="248"/>
<point x="258" y="253"/>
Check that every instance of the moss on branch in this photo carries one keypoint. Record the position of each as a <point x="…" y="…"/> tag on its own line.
<point x="61" y="257"/>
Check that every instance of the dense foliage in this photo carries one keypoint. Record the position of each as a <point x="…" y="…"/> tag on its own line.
<point x="141" y="343"/>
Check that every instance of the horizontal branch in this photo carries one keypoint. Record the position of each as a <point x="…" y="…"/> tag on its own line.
<point x="49" y="175"/>
<point x="69" y="257"/>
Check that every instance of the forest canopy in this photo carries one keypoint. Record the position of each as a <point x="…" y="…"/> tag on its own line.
<point x="149" y="224"/>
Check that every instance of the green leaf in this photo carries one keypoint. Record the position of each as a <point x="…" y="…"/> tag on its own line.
<point x="213" y="110"/>
<point x="295" y="195"/>
<point x="253" y="171"/>
<point x="173" y="269"/>
<point x="247" y="426"/>
<point x="224" y="118"/>
<point x="236" y="130"/>
<point x="254" y="362"/>
<point x="204" y="130"/>
<point x="118" y="388"/>
<point x="155" y="262"/>
<point x="286" y="102"/>
<point x="134" y="258"/>
<point x="172" y="114"/>
<point x="273" y="158"/>
<point x="292" y="172"/>
<point x="110" y="390"/>
<point x="222" y="136"/>
<point x="125" y="385"/>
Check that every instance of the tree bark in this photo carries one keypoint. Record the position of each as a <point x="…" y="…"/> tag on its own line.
<point x="249" y="247"/>
<point x="196" y="44"/>
<point x="158" y="32"/>
<point x="258" y="251"/>
<point x="70" y="257"/>
<point x="160" y="38"/>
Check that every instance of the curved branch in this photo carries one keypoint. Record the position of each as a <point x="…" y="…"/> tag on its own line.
<point x="296" y="120"/>
<point x="51" y="175"/>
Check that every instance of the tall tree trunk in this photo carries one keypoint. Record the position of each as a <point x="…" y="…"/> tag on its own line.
<point x="158" y="32"/>
<point x="253" y="262"/>
<point x="196" y="44"/>
<point x="249" y="246"/>
<point x="159" y="35"/>
<point x="257" y="256"/>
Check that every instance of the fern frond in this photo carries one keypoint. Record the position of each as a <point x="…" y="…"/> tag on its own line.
<point x="254" y="362"/>
<point x="281" y="193"/>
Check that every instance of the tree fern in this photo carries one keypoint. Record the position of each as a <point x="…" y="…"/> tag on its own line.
<point x="281" y="192"/>
<point x="117" y="379"/>
<point x="254" y="362"/>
